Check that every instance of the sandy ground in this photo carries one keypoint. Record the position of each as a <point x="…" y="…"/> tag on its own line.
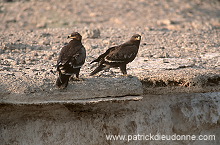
<point x="169" y="14"/>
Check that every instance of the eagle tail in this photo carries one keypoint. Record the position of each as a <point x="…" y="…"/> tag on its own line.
<point x="96" y="60"/>
<point x="98" y="69"/>
<point x="62" y="81"/>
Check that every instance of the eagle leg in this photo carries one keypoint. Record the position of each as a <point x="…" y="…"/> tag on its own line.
<point x="62" y="81"/>
<point x="76" y="72"/>
<point x="123" y="69"/>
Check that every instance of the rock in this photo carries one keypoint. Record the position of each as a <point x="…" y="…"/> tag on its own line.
<point x="107" y="42"/>
<point x="34" y="42"/>
<point x="11" y="20"/>
<point x="162" y="55"/>
<point x="94" y="46"/>
<point x="45" y="35"/>
<point x="54" y="47"/>
<point x="94" y="33"/>
<point x="45" y="42"/>
<point x="14" y="62"/>
<point x="165" y="22"/>
<point x="1" y="51"/>
<point x="35" y="54"/>
<point x="49" y="57"/>
<point x="41" y="25"/>
<point x="22" y="61"/>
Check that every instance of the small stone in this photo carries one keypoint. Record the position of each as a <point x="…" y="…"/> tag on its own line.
<point x="41" y="25"/>
<point x="95" y="33"/>
<point x="164" y="22"/>
<point x="147" y="28"/>
<point x="1" y="51"/>
<point x="22" y="61"/>
<point x="106" y="42"/>
<point x="94" y="46"/>
<point x="14" y="63"/>
<point x="35" y="54"/>
<point x="165" y="61"/>
<point x="49" y="57"/>
<point x="35" y="70"/>
<point x="164" y="55"/>
<point x="46" y="42"/>
<point x="54" y="48"/>
<point x="34" y="42"/>
<point x="45" y="35"/>
<point x="11" y="20"/>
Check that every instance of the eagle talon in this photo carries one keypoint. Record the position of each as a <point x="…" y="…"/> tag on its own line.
<point x="61" y="88"/>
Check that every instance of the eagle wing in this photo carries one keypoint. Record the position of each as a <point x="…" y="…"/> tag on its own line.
<point x="102" y="56"/>
<point x="71" y="57"/>
<point x="122" y="54"/>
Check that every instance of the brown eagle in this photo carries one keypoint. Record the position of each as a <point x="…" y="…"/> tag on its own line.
<point x="71" y="59"/>
<point x="118" y="56"/>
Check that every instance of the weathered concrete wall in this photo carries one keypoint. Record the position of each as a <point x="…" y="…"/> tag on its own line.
<point x="180" y="101"/>
<point x="53" y="124"/>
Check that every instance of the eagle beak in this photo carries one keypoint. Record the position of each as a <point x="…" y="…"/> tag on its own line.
<point x="72" y="37"/>
<point x="138" y="38"/>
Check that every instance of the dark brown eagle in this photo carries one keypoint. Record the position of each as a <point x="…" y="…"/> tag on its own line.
<point x="71" y="59"/>
<point x="118" y="56"/>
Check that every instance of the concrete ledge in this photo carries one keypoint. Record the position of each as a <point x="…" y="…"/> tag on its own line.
<point x="183" y="80"/>
<point x="91" y="90"/>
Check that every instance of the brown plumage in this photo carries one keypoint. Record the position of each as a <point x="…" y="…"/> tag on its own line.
<point x="118" y="56"/>
<point x="71" y="59"/>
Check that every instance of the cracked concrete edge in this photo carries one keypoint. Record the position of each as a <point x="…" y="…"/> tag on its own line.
<point x="69" y="102"/>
